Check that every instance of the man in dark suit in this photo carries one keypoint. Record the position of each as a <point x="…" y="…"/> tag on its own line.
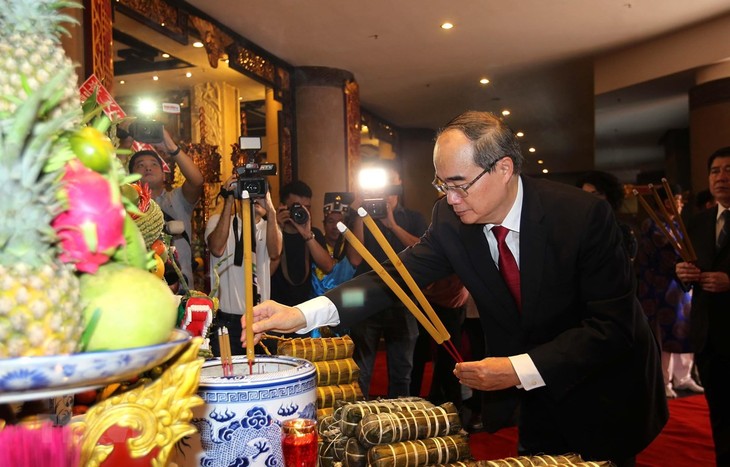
<point x="708" y="231"/>
<point x="564" y="334"/>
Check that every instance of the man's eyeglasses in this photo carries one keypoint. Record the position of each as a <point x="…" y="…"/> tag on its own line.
<point x="461" y="190"/>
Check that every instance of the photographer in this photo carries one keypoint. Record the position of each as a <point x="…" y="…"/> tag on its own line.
<point x="338" y="207"/>
<point x="402" y="228"/>
<point x="223" y="232"/>
<point x="178" y="203"/>
<point x="291" y="277"/>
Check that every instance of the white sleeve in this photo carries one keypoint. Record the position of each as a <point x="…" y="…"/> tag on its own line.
<point x="319" y="311"/>
<point x="530" y="378"/>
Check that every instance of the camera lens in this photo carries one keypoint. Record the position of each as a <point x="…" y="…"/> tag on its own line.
<point x="298" y="214"/>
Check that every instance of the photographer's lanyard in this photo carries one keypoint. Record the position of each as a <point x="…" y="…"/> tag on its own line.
<point x="238" y="234"/>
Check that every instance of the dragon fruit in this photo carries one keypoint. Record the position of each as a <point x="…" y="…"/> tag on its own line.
<point x="92" y="226"/>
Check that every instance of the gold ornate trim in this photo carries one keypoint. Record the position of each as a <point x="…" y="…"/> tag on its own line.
<point x="160" y="411"/>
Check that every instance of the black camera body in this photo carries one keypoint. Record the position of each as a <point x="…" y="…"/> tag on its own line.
<point x="298" y="214"/>
<point x="146" y="131"/>
<point x="251" y="179"/>
<point x="376" y="204"/>
<point x="376" y="207"/>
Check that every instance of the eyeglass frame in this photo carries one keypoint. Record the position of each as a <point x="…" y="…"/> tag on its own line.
<point x="444" y="189"/>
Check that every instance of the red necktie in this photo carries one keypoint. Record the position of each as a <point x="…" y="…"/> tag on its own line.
<point x="507" y="264"/>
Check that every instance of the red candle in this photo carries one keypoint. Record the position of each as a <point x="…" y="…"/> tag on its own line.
<point x="299" y="442"/>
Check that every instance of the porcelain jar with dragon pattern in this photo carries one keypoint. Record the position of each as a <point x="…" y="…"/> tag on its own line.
<point x="240" y="422"/>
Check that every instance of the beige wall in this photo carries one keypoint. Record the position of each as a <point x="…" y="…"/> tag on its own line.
<point x="416" y="151"/>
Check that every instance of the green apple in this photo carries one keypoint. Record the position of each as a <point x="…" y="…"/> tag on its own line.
<point x="135" y="308"/>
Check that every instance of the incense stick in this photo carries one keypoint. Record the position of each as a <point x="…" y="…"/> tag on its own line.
<point x="248" y="279"/>
<point x="393" y="257"/>
<point x="687" y="241"/>
<point x="378" y="268"/>
<point x="660" y="225"/>
<point x="225" y="349"/>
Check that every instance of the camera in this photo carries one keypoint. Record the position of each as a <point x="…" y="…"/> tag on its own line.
<point x="251" y="179"/>
<point x="376" y="204"/>
<point x="251" y="175"/>
<point x="298" y="214"/>
<point x="146" y="131"/>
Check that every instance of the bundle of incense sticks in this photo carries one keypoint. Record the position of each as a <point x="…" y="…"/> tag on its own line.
<point x="432" y="324"/>
<point x="224" y="342"/>
<point x="669" y="224"/>
<point x="248" y="277"/>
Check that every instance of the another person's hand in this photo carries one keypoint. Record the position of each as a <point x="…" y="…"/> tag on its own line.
<point x="388" y="221"/>
<point x="490" y="374"/>
<point x="167" y="145"/>
<point x="687" y="272"/>
<point x="714" y="282"/>
<point x="273" y="316"/>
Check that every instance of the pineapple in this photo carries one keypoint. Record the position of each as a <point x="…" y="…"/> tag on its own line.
<point x="40" y="313"/>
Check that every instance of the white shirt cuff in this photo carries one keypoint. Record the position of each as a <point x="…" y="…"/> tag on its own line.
<point x="319" y="311"/>
<point x="527" y="372"/>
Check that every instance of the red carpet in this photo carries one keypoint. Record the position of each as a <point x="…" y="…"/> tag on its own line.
<point x="686" y="440"/>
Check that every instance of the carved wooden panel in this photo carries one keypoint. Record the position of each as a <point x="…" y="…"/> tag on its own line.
<point x="98" y="38"/>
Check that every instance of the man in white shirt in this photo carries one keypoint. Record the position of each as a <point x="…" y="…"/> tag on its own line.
<point x="223" y="231"/>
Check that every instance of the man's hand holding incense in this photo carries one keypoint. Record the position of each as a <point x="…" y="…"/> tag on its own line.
<point x="273" y="316"/>
<point x="490" y="374"/>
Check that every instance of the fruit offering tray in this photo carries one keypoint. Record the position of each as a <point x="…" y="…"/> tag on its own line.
<point x="28" y="378"/>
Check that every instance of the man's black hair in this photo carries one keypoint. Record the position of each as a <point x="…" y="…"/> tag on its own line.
<point x="297" y="187"/>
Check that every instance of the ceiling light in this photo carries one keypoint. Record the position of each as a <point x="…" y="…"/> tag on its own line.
<point x="505" y="112"/>
<point x="197" y="44"/>
<point x="165" y="55"/>
<point x="155" y="78"/>
<point x="532" y="149"/>
<point x="447" y="26"/>
<point x="540" y="161"/>
<point x="519" y="134"/>
<point x="122" y="82"/>
<point x="484" y="81"/>
<point x="188" y="74"/>
<point x="545" y="171"/>
<point x="240" y="98"/>
<point x="162" y="24"/>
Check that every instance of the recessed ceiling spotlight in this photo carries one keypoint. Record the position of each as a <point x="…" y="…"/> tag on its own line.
<point x="240" y="98"/>
<point x="188" y="74"/>
<point x="540" y="161"/>
<point x="197" y="44"/>
<point x="122" y="82"/>
<point x="519" y="134"/>
<point x="505" y="112"/>
<point x="532" y="149"/>
<point x="447" y="25"/>
<point x="545" y="171"/>
<point x="155" y="78"/>
<point x="162" y="24"/>
<point x="166" y="55"/>
<point x="484" y="81"/>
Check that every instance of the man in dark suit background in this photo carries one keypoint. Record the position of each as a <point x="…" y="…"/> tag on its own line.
<point x="565" y="336"/>
<point x="711" y="300"/>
